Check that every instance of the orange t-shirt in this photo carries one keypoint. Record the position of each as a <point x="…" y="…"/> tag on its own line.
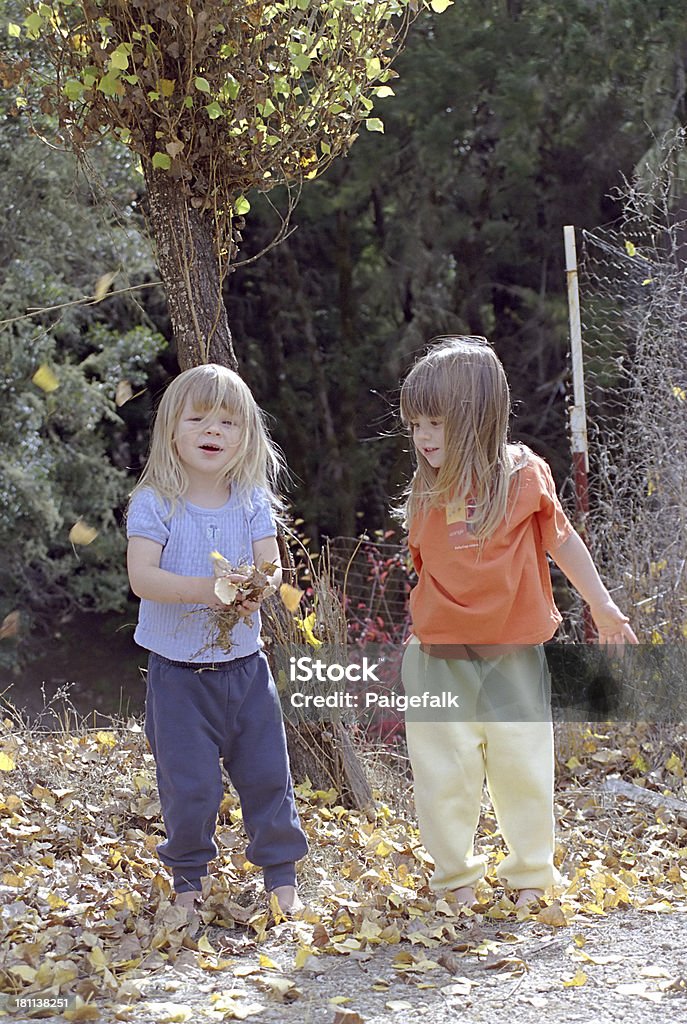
<point x="501" y="594"/>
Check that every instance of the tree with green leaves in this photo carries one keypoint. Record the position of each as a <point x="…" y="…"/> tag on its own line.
<point x="216" y="98"/>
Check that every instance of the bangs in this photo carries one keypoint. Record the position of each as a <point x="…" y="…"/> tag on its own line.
<point x="422" y="394"/>
<point x="211" y="394"/>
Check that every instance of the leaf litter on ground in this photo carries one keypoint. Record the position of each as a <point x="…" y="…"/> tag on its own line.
<point x="87" y="911"/>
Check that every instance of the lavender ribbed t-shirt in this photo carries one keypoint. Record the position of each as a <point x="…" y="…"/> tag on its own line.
<point x="184" y="632"/>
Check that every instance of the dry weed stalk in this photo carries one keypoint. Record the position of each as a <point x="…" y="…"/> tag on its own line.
<point x="635" y="311"/>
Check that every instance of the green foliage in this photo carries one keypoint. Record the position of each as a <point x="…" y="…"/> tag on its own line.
<point x="64" y="453"/>
<point x="224" y="95"/>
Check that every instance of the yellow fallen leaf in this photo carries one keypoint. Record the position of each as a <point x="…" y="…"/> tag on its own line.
<point x="303" y="955"/>
<point x="279" y="987"/>
<point x="106" y="739"/>
<point x="45" y="379"/>
<point x="82" y="533"/>
<point x="56" y="902"/>
<point x="214" y="963"/>
<point x="124" y="393"/>
<point x="396" y="1005"/>
<point x="245" y="970"/>
<point x="267" y="964"/>
<point x="290" y="596"/>
<point x="338" y="1000"/>
<point x="306" y="626"/>
<point x="223" y="565"/>
<point x="578" y="979"/>
<point x="6" y="763"/>
<point x="102" y="285"/>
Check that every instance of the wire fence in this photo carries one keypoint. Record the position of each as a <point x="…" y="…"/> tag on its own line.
<point x="633" y="279"/>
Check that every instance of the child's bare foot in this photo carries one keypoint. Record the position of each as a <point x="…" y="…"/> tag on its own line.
<point x="527" y="896"/>
<point x="190" y="901"/>
<point x="288" y="899"/>
<point x="465" y="894"/>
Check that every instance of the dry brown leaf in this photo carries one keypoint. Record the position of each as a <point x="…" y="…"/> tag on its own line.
<point x="9" y="626"/>
<point x="348" y="1017"/>
<point x="82" y="1011"/>
<point x="552" y="915"/>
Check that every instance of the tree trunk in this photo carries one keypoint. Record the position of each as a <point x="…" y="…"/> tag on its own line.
<point x="189" y="265"/>
<point x="187" y="257"/>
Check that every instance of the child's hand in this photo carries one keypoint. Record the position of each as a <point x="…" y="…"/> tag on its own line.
<point x="245" y="606"/>
<point x="206" y="594"/>
<point x="613" y="627"/>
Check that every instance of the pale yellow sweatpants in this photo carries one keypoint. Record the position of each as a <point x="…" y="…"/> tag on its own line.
<point x="453" y="754"/>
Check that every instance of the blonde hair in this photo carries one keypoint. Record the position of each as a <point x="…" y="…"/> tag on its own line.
<point x="211" y="389"/>
<point x="461" y="382"/>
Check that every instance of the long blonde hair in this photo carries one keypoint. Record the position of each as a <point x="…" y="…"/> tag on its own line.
<point x="461" y="382"/>
<point x="212" y="388"/>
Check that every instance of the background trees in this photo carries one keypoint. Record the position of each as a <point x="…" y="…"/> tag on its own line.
<point x="510" y="119"/>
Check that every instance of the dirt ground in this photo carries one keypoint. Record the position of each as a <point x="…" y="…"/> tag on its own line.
<point x="633" y="966"/>
<point x="629" y="966"/>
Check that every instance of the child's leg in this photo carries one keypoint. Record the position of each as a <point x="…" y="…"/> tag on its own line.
<point x="447" y="759"/>
<point x="256" y="758"/>
<point x="181" y="716"/>
<point x="520" y="767"/>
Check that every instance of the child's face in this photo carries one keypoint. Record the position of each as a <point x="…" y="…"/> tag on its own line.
<point x="207" y="442"/>
<point x="428" y="438"/>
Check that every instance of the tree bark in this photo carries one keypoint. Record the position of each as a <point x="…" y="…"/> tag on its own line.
<point x="189" y="264"/>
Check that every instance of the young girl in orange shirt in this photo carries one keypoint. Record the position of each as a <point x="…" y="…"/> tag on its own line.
<point x="482" y="515"/>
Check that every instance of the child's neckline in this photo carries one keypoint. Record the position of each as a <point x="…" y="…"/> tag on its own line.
<point x="209" y="508"/>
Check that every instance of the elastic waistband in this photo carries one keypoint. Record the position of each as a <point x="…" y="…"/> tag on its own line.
<point x="206" y="666"/>
<point x="471" y="652"/>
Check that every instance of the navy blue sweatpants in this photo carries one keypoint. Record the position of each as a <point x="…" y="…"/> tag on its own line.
<point x="195" y="717"/>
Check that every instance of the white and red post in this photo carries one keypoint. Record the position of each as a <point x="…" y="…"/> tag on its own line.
<point x="578" y="410"/>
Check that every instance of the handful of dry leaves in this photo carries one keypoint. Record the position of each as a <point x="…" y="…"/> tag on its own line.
<point x="255" y="586"/>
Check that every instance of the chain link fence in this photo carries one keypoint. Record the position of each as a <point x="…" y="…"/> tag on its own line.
<point x="633" y="279"/>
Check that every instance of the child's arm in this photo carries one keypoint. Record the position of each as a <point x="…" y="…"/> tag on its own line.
<point x="573" y="558"/>
<point x="149" y="581"/>
<point x="267" y="550"/>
